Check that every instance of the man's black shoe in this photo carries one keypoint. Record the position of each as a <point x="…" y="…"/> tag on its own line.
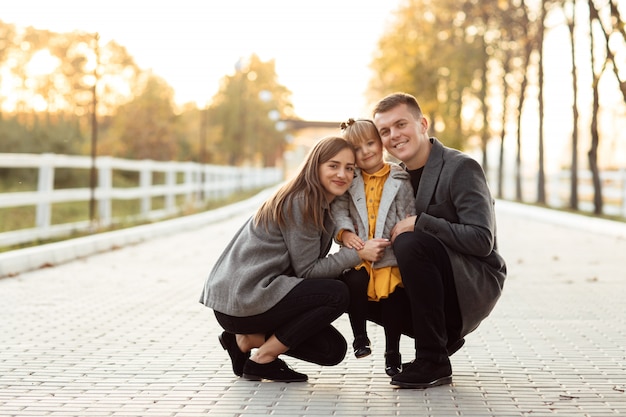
<point x="237" y="357"/>
<point x="276" y="370"/>
<point x="422" y="373"/>
<point x="452" y="349"/>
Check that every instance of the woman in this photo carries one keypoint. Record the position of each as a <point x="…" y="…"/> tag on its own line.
<point x="274" y="287"/>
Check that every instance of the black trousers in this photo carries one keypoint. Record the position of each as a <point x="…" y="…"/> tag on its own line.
<point x="302" y="321"/>
<point x="430" y="304"/>
<point x="390" y="310"/>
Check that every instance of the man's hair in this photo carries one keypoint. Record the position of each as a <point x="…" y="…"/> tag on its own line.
<point x="396" y="99"/>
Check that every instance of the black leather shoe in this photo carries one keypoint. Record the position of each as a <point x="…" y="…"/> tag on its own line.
<point x="361" y="346"/>
<point x="422" y="373"/>
<point x="452" y="349"/>
<point x="393" y="363"/>
<point x="237" y="357"/>
<point x="276" y="370"/>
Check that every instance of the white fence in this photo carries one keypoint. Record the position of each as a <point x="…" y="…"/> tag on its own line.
<point x="558" y="190"/>
<point x="199" y="184"/>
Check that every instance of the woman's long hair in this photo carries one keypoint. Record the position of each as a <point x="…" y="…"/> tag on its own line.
<point x="277" y="209"/>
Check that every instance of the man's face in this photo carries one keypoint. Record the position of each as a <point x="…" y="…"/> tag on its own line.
<point x="402" y="134"/>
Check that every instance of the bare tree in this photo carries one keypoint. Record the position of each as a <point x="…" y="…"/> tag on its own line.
<point x="541" y="180"/>
<point x="528" y="47"/>
<point x="571" y="25"/>
<point x="595" y="136"/>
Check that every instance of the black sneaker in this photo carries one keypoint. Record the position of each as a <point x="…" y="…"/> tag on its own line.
<point x="361" y="346"/>
<point x="422" y="373"/>
<point x="237" y="357"/>
<point x="276" y="370"/>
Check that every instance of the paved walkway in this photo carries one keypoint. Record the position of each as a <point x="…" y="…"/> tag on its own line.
<point x="122" y="334"/>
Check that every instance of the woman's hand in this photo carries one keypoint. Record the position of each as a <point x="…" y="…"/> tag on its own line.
<point x="374" y="249"/>
<point x="352" y="241"/>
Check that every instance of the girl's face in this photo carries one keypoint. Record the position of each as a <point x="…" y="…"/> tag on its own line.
<point x="369" y="155"/>
<point x="337" y="173"/>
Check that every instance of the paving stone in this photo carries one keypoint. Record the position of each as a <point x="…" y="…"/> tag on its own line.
<point x="122" y="334"/>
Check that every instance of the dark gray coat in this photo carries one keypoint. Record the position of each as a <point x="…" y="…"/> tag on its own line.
<point x="457" y="208"/>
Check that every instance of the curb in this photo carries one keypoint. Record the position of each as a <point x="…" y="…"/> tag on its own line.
<point x="23" y="260"/>
<point x="18" y="261"/>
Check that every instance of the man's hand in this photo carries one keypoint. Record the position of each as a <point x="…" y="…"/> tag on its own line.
<point x="374" y="249"/>
<point x="404" y="225"/>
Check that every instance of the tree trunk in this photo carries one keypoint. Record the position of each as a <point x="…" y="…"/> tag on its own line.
<point x="528" y="49"/>
<point x="595" y="137"/>
<point x="506" y="67"/>
<point x="541" y="186"/>
<point x="573" y="199"/>
<point x="485" y="108"/>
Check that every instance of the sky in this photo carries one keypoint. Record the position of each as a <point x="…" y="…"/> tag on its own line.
<point x="322" y="49"/>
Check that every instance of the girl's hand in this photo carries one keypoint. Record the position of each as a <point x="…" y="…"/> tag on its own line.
<point x="374" y="249"/>
<point x="351" y="240"/>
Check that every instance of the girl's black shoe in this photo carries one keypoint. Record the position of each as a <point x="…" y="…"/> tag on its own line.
<point x="237" y="357"/>
<point x="393" y="363"/>
<point x="276" y="370"/>
<point x="361" y="346"/>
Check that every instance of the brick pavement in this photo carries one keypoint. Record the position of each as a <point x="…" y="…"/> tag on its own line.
<point x="122" y="334"/>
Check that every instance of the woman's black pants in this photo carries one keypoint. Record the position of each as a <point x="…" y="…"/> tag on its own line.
<point x="301" y="321"/>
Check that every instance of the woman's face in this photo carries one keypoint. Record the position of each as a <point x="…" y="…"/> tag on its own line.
<point x="337" y="173"/>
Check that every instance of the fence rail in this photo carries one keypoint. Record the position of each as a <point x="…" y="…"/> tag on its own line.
<point x="196" y="183"/>
<point x="558" y="190"/>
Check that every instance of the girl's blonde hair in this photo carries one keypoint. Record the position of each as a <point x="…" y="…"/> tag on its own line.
<point x="277" y="209"/>
<point x="358" y="131"/>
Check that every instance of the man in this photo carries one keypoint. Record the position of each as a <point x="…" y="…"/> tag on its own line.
<point x="447" y="253"/>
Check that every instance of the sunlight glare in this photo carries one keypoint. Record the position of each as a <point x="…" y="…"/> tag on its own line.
<point x="42" y="63"/>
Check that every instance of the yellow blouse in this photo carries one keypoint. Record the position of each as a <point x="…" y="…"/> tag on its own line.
<point x="383" y="281"/>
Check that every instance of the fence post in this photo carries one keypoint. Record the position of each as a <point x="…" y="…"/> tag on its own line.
<point x="45" y="186"/>
<point x="105" y="186"/>
<point x="189" y="183"/>
<point x="208" y="186"/>
<point x="145" y="181"/>
<point x="170" y="182"/>
<point x="623" y="193"/>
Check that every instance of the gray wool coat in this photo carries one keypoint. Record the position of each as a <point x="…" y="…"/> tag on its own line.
<point x="259" y="267"/>
<point x="349" y="211"/>
<point x="457" y="208"/>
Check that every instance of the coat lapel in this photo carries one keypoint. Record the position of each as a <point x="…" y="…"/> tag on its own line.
<point x="357" y="193"/>
<point x="430" y="177"/>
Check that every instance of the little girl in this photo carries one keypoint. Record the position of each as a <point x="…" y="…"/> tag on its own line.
<point x="380" y="196"/>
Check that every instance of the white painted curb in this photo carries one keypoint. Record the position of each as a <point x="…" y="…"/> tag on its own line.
<point x="28" y="259"/>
